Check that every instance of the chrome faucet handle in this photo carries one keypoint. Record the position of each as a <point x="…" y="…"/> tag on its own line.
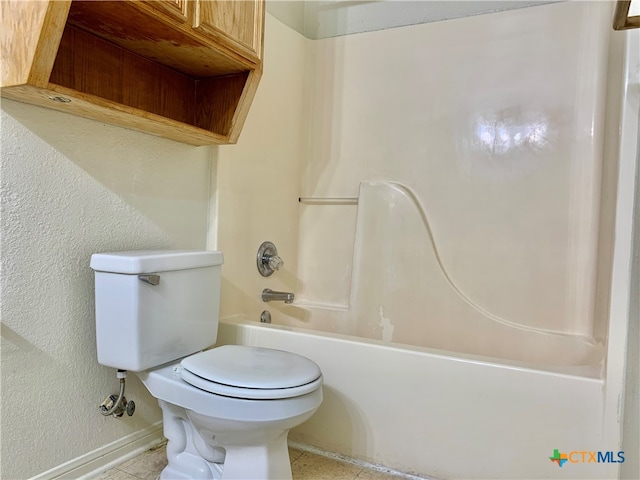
<point x="275" y="262"/>
<point x="267" y="259"/>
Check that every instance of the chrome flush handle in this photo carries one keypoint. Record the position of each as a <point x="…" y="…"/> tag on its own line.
<point x="152" y="279"/>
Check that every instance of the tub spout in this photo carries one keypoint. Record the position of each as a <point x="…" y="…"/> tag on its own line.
<point x="269" y="295"/>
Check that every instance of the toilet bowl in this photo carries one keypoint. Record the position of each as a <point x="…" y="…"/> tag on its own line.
<point x="226" y="410"/>
<point x="241" y="431"/>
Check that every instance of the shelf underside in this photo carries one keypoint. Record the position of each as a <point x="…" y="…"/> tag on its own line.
<point x="90" y="65"/>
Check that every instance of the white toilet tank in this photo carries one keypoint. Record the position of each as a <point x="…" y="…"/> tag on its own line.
<point x="140" y="325"/>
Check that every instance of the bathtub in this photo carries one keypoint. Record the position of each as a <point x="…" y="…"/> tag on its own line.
<point x="432" y="414"/>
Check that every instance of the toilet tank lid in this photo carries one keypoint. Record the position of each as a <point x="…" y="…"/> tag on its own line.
<point x="152" y="261"/>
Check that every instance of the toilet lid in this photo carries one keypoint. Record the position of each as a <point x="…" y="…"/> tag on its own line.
<point x="251" y="372"/>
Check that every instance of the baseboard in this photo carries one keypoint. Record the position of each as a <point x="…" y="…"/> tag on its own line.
<point x="107" y="456"/>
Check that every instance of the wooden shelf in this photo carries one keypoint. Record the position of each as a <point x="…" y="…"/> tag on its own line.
<point x="140" y="65"/>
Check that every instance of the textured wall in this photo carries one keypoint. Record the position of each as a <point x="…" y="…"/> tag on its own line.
<point x="71" y="187"/>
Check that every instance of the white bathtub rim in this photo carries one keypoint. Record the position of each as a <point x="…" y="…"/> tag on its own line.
<point x="590" y="373"/>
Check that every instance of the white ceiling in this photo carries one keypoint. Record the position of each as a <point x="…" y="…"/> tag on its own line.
<point x="317" y="19"/>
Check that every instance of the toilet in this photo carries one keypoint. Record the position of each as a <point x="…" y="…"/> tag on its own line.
<point x="226" y="411"/>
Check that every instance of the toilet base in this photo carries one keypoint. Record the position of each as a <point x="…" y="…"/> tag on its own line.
<point x="213" y="437"/>
<point x="194" y="452"/>
<point x="172" y="473"/>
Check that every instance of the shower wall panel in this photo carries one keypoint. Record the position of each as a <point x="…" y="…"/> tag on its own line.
<point x="495" y="122"/>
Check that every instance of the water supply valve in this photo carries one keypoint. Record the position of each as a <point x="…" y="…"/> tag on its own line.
<point x="117" y="411"/>
<point x="116" y="405"/>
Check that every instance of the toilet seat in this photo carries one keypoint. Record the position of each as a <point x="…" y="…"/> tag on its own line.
<point x="251" y="372"/>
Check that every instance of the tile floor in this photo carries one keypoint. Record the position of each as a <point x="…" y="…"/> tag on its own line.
<point x="304" y="466"/>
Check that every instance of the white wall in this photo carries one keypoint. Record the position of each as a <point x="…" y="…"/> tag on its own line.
<point x="71" y="187"/>
<point x="630" y="470"/>
<point x="258" y="179"/>
<point x="630" y="147"/>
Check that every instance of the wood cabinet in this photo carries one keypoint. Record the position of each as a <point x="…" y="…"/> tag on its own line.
<point x="233" y="22"/>
<point x="176" y="9"/>
<point x="182" y="69"/>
